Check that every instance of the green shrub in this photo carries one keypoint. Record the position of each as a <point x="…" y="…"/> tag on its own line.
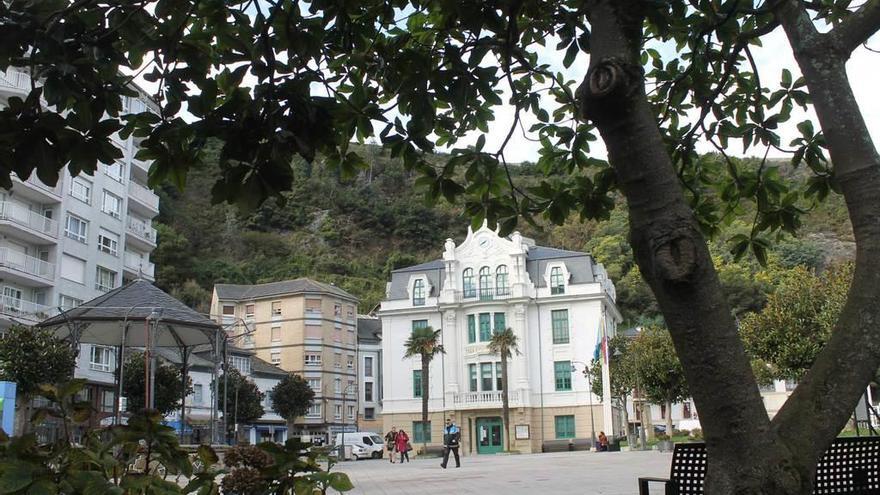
<point x="696" y="434"/>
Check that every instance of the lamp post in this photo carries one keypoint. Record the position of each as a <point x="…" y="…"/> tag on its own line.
<point x="589" y="378"/>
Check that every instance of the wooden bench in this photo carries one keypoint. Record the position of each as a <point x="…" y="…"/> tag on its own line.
<point x="555" y="446"/>
<point x="850" y="465"/>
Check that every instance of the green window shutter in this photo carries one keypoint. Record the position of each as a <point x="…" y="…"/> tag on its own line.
<point x="487" y="376"/>
<point x="564" y="426"/>
<point x="472" y="370"/>
<point x="485" y="327"/>
<point x="421" y="432"/>
<point x="498" y="384"/>
<point x="559" y="319"/>
<point x="416" y="324"/>
<point x="472" y="329"/>
<point x="417" y="383"/>
<point x="562" y="375"/>
<point x="500" y="323"/>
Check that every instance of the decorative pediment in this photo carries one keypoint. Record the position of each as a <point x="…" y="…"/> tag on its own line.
<point x="485" y="244"/>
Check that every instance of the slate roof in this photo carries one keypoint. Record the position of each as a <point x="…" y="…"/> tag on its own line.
<point x="297" y="286"/>
<point x="173" y="356"/>
<point x="369" y="329"/>
<point x="265" y="368"/>
<point x="543" y="253"/>
<point x="134" y="301"/>
<point x="431" y="265"/>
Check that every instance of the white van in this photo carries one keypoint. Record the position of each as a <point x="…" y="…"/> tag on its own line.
<point x="364" y="444"/>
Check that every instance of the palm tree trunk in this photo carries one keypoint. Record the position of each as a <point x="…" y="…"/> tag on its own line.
<point x="425" y="377"/>
<point x="505" y="404"/>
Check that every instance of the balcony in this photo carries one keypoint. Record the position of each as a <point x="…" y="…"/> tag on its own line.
<point x="30" y="311"/>
<point x="16" y="80"/>
<point x="485" y="400"/>
<point x="483" y="294"/>
<point x="142" y="233"/>
<point x="32" y="269"/>
<point x="34" y="189"/>
<point x="30" y="222"/>
<point x="143" y="197"/>
<point x="138" y="265"/>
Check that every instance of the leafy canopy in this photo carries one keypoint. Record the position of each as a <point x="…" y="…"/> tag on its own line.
<point x="292" y="397"/>
<point x="657" y="367"/>
<point x="31" y="357"/>
<point x="242" y="393"/>
<point x="787" y="335"/>
<point x="424" y="342"/>
<point x="504" y="343"/>
<point x="275" y="79"/>
<point x="169" y="387"/>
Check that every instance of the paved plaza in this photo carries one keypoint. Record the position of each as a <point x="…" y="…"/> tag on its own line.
<point x="576" y="473"/>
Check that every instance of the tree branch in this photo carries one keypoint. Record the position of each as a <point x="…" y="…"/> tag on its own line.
<point x="858" y="27"/>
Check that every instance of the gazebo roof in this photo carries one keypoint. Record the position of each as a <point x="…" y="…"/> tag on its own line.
<point x="102" y="319"/>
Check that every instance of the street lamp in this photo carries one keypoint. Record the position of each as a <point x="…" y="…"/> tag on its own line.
<point x="589" y="378"/>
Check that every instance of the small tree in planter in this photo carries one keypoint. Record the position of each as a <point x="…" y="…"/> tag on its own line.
<point x="291" y="398"/>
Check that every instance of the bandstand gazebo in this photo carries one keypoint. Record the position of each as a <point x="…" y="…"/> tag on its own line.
<point x="140" y="315"/>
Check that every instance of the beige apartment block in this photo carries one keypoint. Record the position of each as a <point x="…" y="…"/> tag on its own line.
<point x="304" y="327"/>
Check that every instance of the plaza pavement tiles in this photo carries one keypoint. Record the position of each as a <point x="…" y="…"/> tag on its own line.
<point x="575" y="473"/>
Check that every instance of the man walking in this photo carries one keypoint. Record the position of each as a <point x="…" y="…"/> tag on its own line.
<point x="451" y="440"/>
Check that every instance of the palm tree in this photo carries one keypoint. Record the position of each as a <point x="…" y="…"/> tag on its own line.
<point x="504" y="342"/>
<point x="423" y="342"/>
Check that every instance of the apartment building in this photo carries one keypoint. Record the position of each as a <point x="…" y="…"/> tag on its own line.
<point x="560" y="304"/>
<point x="369" y="351"/>
<point x="304" y="327"/>
<point x="65" y="244"/>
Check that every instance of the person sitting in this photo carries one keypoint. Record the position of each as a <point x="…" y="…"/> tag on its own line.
<point x="603" y="442"/>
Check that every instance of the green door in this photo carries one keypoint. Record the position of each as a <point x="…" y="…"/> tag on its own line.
<point x="489" y="440"/>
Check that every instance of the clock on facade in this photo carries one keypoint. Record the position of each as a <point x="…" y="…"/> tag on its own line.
<point x="483" y="243"/>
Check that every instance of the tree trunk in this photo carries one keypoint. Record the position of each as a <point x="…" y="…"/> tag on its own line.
<point x="669" y="419"/>
<point x="825" y="398"/>
<point x="674" y="260"/>
<point x="505" y="401"/>
<point x="426" y="361"/>
<point x="22" y="415"/>
<point x="630" y="438"/>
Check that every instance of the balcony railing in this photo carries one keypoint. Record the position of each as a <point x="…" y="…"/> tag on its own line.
<point x="143" y="195"/>
<point x="28" y="264"/>
<point x="20" y="214"/>
<point x="483" y="294"/>
<point x="37" y="183"/>
<point x="12" y="306"/>
<point x="17" y="79"/>
<point x="485" y="399"/>
<point x="143" y="231"/>
<point x="138" y="264"/>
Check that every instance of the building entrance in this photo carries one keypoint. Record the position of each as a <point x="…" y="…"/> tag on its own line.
<point x="489" y="435"/>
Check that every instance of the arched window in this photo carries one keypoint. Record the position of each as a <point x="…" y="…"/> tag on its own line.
<point x="467" y="279"/>
<point x="501" y="287"/>
<point x="418" y="293"/>
<point x="557" y="284"/>
<point x="485" y="285"/>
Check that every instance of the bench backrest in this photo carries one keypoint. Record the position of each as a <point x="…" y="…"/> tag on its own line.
<point x="850" y="465"/>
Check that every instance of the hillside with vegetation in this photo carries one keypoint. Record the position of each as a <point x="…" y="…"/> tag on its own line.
<point x="352" y="231"/>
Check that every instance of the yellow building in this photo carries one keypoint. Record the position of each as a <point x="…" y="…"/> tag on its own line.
<point x="304" y="327"/>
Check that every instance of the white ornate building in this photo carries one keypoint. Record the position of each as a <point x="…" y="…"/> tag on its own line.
<point x="559" y="303"/>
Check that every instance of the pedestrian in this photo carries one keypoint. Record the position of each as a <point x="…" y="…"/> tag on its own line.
<point x="390" y="439"/>
<point x="451" y="441"/>
<point x="603" y="442"/>
<point x="401" y="443"/>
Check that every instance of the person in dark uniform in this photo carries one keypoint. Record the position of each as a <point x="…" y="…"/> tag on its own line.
<point x="451" y="441"/>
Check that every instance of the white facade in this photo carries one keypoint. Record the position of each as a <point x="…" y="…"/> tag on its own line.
<point x="486" y="282"/>
<point x="369" y="355"/>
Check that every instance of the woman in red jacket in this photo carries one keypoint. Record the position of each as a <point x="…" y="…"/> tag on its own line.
<point x="402" y="445"/>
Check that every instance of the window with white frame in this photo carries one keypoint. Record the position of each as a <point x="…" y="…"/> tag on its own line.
<point x="73" y="269"/>
<point x="418" y="295"/>
<point x="314" y="411"/>
<point x="467" y="282"/>
<point x="108" y="242"/>
<point x="275" y="333"/>
<point x="101" y="358"/>
<point x="276" y="308"/>
<point x="198" y="394"/>
<point x="76" y="228"/>
<point x="67" y="302"/>
<point x="314" y="384"/>
<point x="368" y="366"/>
<point x="337" y="385"/>
<point x="81" y="189"/>
<point x="350" y="412"/>
<point x="557" y="282"/>
<point x="104" y="279"/>
<point x="249" y="310"/>
<point x="313" y="359"/>
<point x="275" y="357"/>
<point x="241" y="363"/>
<point x="350" y="362"/>
<point x="337" y="411"/>
<point x="337" y="360"/>
<point x="12" y="298"/>
<point x="228" y="310"/>
<point x="115" y="170"/>
<point x="111" y="205"/>
<point x="485" y="283"/>
<point x="501" y="287"/>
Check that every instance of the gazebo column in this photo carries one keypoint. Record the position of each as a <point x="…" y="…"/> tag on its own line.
<point x="184" y="373"/>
